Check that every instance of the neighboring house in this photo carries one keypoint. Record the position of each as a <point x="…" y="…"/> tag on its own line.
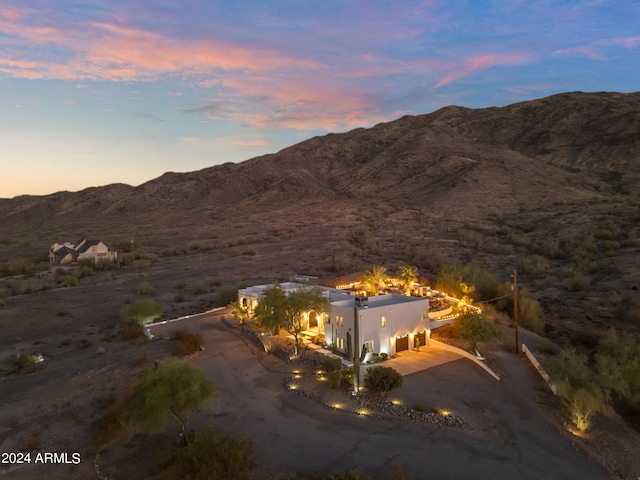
<point x="68" y="253"/>
<point x="387" y="323"/>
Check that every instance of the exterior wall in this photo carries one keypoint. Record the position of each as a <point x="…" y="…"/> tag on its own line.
<point x="402" y="318"/>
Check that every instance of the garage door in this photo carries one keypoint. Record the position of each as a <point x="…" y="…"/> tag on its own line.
<point x="421" y="337"/>
<point x="402" y="343"/>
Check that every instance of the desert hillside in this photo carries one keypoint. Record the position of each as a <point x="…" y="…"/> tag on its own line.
<point x="551" y="186"/>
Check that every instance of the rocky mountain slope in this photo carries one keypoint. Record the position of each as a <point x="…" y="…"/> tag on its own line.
<point x="487" y="186"/>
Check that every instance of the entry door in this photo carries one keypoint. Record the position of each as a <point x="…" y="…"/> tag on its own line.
<point x="402" y="343"/>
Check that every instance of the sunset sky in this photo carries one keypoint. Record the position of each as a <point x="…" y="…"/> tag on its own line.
<point x="96" y="92"/>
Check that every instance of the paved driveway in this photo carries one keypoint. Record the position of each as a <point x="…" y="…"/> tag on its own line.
<point x="507" y="438"/>
<point x="410" y="361"/>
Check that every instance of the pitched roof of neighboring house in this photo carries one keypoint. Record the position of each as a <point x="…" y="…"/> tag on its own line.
<point x="86" y="244"/>
<point x="64" y="251"/>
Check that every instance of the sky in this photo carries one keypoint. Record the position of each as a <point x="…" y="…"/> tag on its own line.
<point x="95" y="92"/>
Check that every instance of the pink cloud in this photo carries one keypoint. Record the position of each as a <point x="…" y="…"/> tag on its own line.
<point x="594" y="50"/>
<point x="628" y="42"/>
<point x="479" y="62"/>
<point x="589" y="52"/>
<point x="10" y="14"/>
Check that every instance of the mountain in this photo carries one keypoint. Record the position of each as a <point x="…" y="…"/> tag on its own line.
<point x="482" y="186"/>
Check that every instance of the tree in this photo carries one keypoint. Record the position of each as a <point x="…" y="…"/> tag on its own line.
<point x="407" y="276"/>
<point x="174" y="389"/>
<point x="382" y="379"/>
<point x="476" y="328"/>
<point x="271" y="309"/>
<point x="277" y="310"/>
<point x="239" y="311"/>
<point x="374" y="279"/>
<point x="142" y="312"/>
<point x="300" y="301"/>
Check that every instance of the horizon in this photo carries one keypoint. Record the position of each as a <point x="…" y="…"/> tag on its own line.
<point x="101" y="93"/>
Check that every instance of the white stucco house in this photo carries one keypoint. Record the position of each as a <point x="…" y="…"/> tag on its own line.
<point x="67" y="252"/>
<point x="387" y="323"/>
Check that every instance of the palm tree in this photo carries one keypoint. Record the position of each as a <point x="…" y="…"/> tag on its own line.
<point x="239" y="311"/>
<point x="407" y="276"/>
<point x="374" y="279"/>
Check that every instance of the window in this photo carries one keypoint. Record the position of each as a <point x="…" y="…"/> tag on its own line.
<point x="368" y="346"/>
<point x="339" y="320"/>
<point x="383" y="321"/>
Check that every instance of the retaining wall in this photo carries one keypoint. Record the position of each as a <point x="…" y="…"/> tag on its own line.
<point x="465" y="354"/>
<point x="539" y="368"/>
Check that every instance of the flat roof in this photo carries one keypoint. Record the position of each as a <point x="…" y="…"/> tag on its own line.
<point x="380" y="301"/>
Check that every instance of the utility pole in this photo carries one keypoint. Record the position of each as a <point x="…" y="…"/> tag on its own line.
<point x="356" y="352"/>
<point x="515" y="306"/>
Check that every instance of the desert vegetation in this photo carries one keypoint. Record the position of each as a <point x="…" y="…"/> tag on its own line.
<point x="605" y="379"/>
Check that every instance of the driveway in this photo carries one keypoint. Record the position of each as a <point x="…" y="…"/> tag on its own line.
<point x="507" y="437"/>
<point x="410" y="361"/>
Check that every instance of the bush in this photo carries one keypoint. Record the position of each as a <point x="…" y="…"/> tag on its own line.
<point x="225" y="295"/>
<point x="476" y="328"/>
<point x="331" y="364"/>
<point x="335" y="378"/>
<point x="142" y="312"/>
<point x="421" y="407"/>
<point x="198" y="288"/>
<point x="69" y="280"/>
<point x="145" y="289"/>
<point x="382" y="379"/>
<point x="132" y="331"/>
<point x="186" y="343"/>
<point x="215" y="453"/>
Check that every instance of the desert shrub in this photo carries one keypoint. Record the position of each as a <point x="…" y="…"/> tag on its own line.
<point x="29" y="363"/>
<point x="533" y="264"/>
<point x="142" y="264"/>
<point x="578" y="385"/>
<point x="335" y="378"/>
<point x="132" y="331"/>
<point x="476" y="328"/>
<point x="382" y="379"/>
<point x="384" y="356"/>
<point x="69" y="280"/>
<point x="106" y="264"/>
<point x="214" y="453"/>
<point x="30" y="285"/>
<point x="145" y="289"/>
<point x="198" y="287"/>
<point x="529" y="309"/>
<point x="112" y="421"/>
<point x="421" y="407"/>
<point x="579" y="282"/>
<point x="225" y="295"/>
<point x="142" y="312"/>
<point x="18" y="266"/>
<point x="186" y="343"/>
<point x="331" y="364"/>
